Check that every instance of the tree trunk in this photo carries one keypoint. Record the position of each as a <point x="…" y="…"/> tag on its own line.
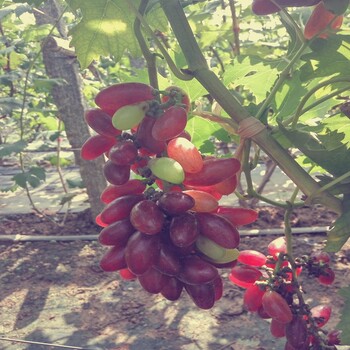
<point x="62" y="64"/>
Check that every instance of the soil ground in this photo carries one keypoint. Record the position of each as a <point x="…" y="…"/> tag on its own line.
<point x="54" y="292"/>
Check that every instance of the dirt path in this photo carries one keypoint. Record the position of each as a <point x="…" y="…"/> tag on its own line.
<point x="54" y="292"/>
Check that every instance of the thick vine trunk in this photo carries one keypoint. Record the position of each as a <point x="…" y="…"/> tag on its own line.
<point x="62" y="64"/>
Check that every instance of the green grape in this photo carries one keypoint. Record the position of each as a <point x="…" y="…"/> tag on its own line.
<point x="129" y="116"/>
<point x="215" y="252"/>
<point x="167" y="169"/>
<point x="230" y="255"/>
<point x="209" y="248"/>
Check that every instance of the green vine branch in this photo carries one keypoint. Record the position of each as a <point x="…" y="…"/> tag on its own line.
<point x="147" y="54"/>
<point x="197" y="66"/>
<point x="176" y="71"/>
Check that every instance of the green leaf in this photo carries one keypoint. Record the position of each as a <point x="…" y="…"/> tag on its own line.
<point x="106" y="28"/>
<point x="329" y="57"/>
<point x="16" y="147"/>
<point x="344" y="324"/>
<point x="288" y="96"/>
<point x="201" y="130"/>
<point x="20" y="179"/>
<point x="33" y="177"/>
<point x="339" y="233"/>
<point x="38" y="172"/>
<point x="75" y="183"/>
<point x="336" y="160"/>
<point x="254" y="74"/>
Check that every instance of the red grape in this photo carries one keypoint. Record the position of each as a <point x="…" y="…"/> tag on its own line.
<point x="296" y="332"/>
<point x="252" y="258"/>
<point x="321" y="314"/>
<point x="114" y="259"/>
<point x="203" y="295"/>
<point x="116" y="174"/>
<point x="252" y="298"/>
<point x="183" y="230"/>
<point x="207" y="189"/>
<point x="99" y="221"/>
<point x="172" y="289"/>
<point x="197" y="271"/>
<point x="123" y="153"/>
<point x="218" y="288"/>
<point x="120" y="208"/>
<point x="277" y="246"/>
<point x="218" y="230"/>
<point x="142" y="252"/>
<point x="175" y="203"/>
<point x="327" y="276"/>
<point x="170" y="124"/>
<point x="112" y="192"/>
<point x="168" y="261"/>
<point x="277" y="329"/>
<point x="244" y="276"/>
<point x="204" y="202"/>
<point x="117" y="234"/>
<point x="147" y="217"/>
<point x="145" y="139"/>
<point x="101" y="122"/>
<point x="214" y="171"/>
<point x="126" y="274"/>
<point x="153" y="281"/>
<point x="277" y="307"/>
<point x="116" y="96"/>
<point x="237" y="216"/>
<point x="185" y="152"/>
<point x="227" y="186"/>
<point x="95" y="146"/>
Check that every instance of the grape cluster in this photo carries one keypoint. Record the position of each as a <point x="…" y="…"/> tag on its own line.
<point x="164" y="225"/>
<point x="273" y="292"/>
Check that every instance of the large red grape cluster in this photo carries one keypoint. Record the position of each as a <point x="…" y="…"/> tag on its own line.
<point x="164" y="225"/>
<point x="273" y="292"/>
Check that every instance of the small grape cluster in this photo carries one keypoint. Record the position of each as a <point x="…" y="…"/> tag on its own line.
<point x="164" y="226"/>
<point x="273" y="292"/>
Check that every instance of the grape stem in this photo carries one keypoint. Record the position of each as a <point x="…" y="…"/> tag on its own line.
<point x="197" y="66"/>
<point x="147" y="54"/>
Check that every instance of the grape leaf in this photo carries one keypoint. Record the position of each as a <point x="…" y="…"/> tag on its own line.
<point x="254" y="74"/>
<point x="106" y="28"/>
<point x="336" y="160"/>
<point x="328" y="57"/>
<point x="201" y="130"/>
<point x="339" y="233"/>
<point x="344" y="324"/>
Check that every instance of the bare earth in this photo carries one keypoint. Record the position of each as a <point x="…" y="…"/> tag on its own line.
<point x="55" y="292"/>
